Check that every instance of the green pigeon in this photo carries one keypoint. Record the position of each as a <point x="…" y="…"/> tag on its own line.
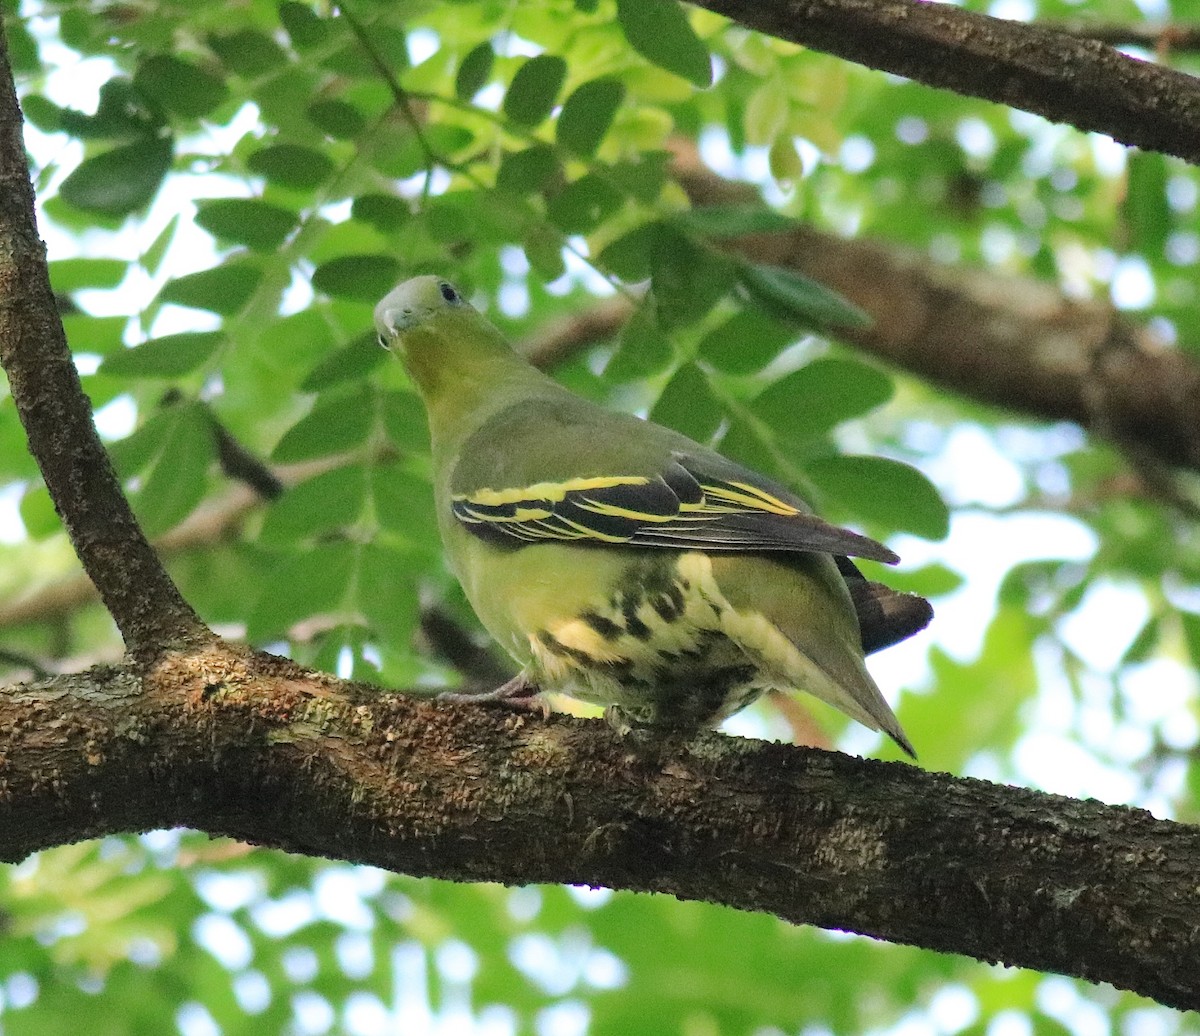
<point x="622" y="563"/>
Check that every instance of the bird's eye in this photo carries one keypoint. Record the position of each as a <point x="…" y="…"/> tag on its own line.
<point x="448" y="292"/>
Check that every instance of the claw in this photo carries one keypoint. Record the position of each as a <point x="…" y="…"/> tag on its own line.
<point x="520" y="693"/>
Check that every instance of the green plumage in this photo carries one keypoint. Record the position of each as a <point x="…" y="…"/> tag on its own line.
<point x="623" y="563"/>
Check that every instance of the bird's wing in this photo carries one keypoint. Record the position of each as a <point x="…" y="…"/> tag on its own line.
<point x="696" y="502"/>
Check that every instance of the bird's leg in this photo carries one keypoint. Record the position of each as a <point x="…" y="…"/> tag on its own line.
<point x="521" y="692"/>
<point x="616" y="718"/>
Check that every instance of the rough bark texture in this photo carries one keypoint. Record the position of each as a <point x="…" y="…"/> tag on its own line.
<point x="1064" y="78"/>
<point x="254" y="747"/>
<point x="57" y="417"/>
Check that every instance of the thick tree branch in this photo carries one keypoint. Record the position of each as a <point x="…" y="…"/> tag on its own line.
<point x="1014" y="342"/>
<point x="1064" y="78"/>
<point x="254" y="747"/>
<point x="57" y="417"/>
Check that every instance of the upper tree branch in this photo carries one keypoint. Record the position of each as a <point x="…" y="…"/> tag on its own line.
<point x="57" y="417"/>
<point x="254" y="747"/>
<point x="1064" y="78"/>
<point x="1011" y="341"/>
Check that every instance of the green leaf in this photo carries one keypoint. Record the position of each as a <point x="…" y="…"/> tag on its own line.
<point x="385" y="212"/>
<point x="1190" y="622"/>
<point x="404" y="505"/>
<point x="534" y="89"/>
<point x="688" y="405"/>
<point x="248" y="52"/>
<point x="180" y="86"/>
<point x="305" y="28"/>
<point x="88" y="334"/>
<point x="588" y="114"/>
<point x="746" y="342"/>
<point x="388" y="594"/>
<point x="406" y="423"/>
<point x="38" y="514"/>
<point x="584" y="205"/>
<point x="644" y="350"/>
<point x="787" y="294"/>
<point x="642" y="177"/>
<point x="1143" y="646"/>
<point x="933" y="580"/>
<point x="527" y="171"/>
<point x="544" y="250"/>
<point x="338" y="119"/>
<point x="121" y="114"/>
<point x="302" y="584"/>
<point x="247" y="221"/>
<point x="659" y="30"/>
<point x="475" y="71"/>
<point x="291" y="165"/>
<point x="1146" y="212"/>
<point x="224" y="289"/>
<point x="349" y="363"/>
<point x="885" y="491"/>
<point x="820" y="395"/>
<point x="365" y="277"/>
<point x="176" y="483"/>
<point x="687" y="279"/>
<point x="67" y="275"/>
<point x="152" y="258"/>
<point x="331" y="500"/>
<point x="119" y="181"/>
<point x="629" y="255"/>
<point x="338" y="421"/>
<point x="42" y="113"/>
<point x="722" y="221"/>
<point x="168" y="357"/>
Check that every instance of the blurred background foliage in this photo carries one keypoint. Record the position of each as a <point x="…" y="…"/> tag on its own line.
<point x="226" y="190"/>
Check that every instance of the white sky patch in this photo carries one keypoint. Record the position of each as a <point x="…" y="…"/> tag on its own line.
<point x="224" y="939"/>
<point x="912" y="129"/>
<point x="857" y="154"/>
<point x="1132" y="283"/>
<point x="513" y="299"/>
<point x="336" y="894"/>
<point x="422" y="45"/>
<point x="365" y="1015"/>
<point x="569" y="1018"/>
<point x="986" y="547"/>
<point x="970" y="469"/>
<point x="117" y="418"/>
<point x="1117" y="609"/>
<point x="229" y="890"/>
<point x="12" y="529"/>
<point x="716" y="152"/>
<point x="193" y="1019"/>
<point x="975" y="137"/>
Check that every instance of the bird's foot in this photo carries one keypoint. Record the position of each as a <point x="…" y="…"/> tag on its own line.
<point x="520" y="693"/>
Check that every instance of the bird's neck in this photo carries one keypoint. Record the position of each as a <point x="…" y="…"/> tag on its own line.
<point x="463" y="387"/>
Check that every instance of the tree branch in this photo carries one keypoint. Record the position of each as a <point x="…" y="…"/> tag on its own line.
<point x="254" y="747"/>
<point x="1061" y="77"/>
<point x="1162" y="39"/>
<point x="57" y="417"/>
<point x="1013" y="342"/>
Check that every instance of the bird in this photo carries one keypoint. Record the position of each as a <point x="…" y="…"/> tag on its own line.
<point x="622" y="563"/>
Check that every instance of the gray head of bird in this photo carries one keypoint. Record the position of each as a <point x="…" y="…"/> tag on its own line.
<point x="413" y="303"/>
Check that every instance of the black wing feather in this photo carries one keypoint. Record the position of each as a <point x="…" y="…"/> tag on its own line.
<point x="696" y="503"/>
